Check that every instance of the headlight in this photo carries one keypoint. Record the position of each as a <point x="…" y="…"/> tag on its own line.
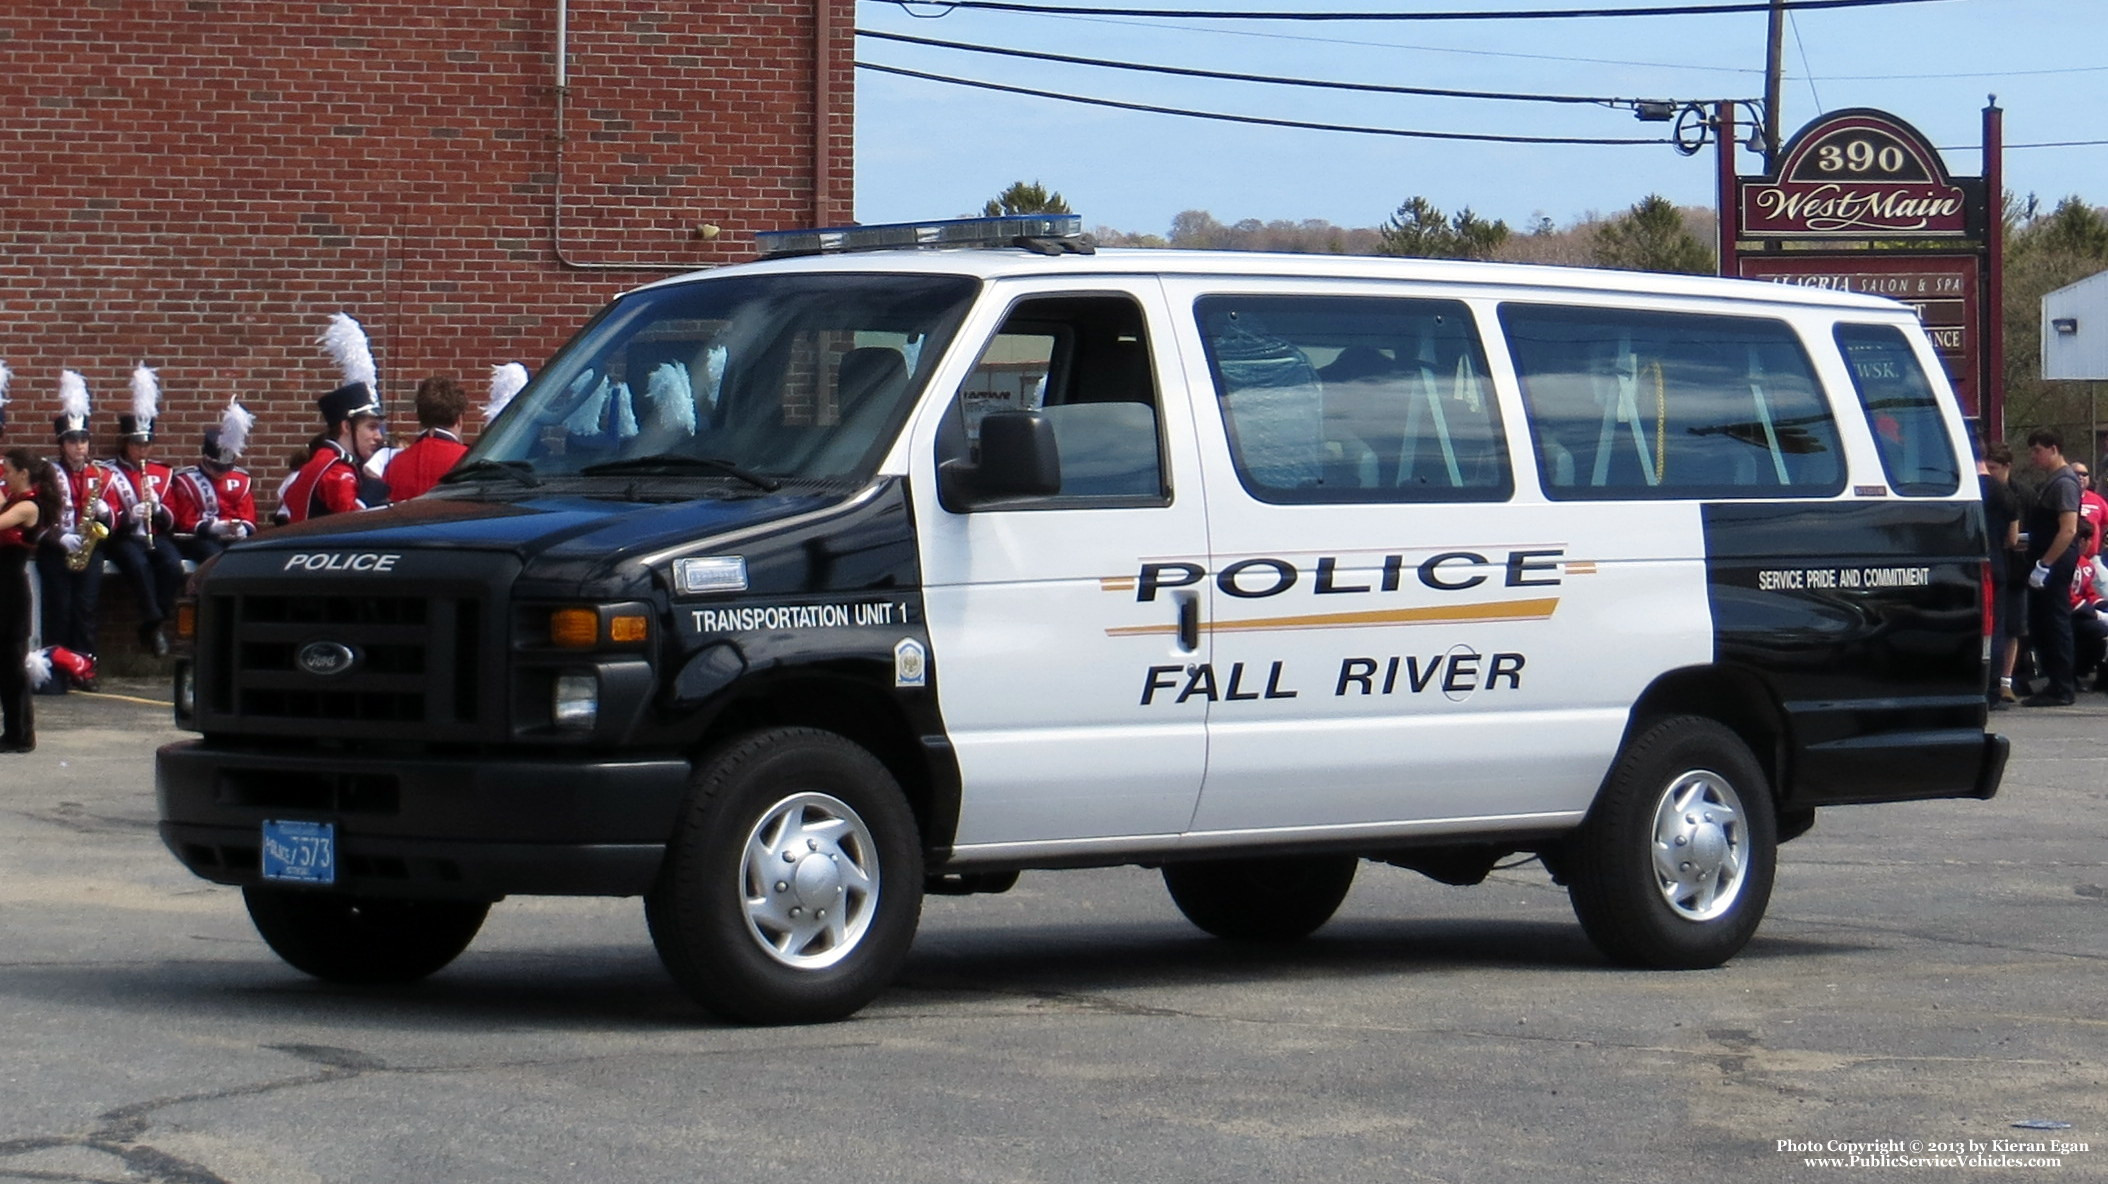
<point x="576" y="702"/>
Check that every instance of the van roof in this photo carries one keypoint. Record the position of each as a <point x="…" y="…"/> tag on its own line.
<point x="1007" y="263"/>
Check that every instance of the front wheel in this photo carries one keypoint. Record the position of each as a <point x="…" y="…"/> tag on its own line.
<point x="362" y="940"/>
<point x="1261" y="899"/>
<point x="1673" y="866"/>
<point x="793" y="885"/>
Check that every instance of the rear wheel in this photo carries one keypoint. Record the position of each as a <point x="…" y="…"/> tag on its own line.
<point x="1673" y="867"/>
<point x="1261" y="899"/>
<point x="793" y="886"/>
<point x="366" y="940"/>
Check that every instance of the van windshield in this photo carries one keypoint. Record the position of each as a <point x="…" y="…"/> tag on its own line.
<point x="760" y="379"/>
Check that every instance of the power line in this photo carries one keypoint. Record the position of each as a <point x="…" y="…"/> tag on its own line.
<point x="1483" y="137"/>
<point x="1188" y="72"/>
<point x="1962" y="74"/>
<point x="1276" y="35"/>
<point x="1740" y="6"/>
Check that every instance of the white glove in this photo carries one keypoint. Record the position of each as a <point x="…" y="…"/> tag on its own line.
<point x="72" y="542"/>
<point x="141" y="513"/>
<point x="2039" y="578"/>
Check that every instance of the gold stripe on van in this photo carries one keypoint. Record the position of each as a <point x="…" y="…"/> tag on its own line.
<point x="1437" y="614"/>
<point x="1117" y="583"/>
<point x="1581" y="567"/>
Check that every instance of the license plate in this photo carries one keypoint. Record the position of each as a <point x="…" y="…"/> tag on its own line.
<point x="300" y="852"/>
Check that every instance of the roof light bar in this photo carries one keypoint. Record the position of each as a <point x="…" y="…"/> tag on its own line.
<point x="1004" y="231"/>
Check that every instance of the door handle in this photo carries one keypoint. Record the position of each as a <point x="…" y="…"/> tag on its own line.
<point x="1188" y="622"/>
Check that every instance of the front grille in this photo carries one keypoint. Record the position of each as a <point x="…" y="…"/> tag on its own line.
<point x="329" y="665"/>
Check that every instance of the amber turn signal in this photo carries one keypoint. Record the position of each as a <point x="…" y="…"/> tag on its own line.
<point x="187" y="620"/>
<point x="574" y="628"/>
<point x="629" y="629"/>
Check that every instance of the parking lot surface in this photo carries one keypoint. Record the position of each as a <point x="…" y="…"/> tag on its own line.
<point x="1930" y="975"/>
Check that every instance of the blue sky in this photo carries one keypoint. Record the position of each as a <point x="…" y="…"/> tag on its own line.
<point x="928" y="149"/>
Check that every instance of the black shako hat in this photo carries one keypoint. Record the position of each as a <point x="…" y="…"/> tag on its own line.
<point x="67" y="426"/>
<point x="133" y="430"/>
<point x="348" y="402"/>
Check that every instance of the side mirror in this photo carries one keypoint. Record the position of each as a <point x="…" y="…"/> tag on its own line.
<point x="1018" y="459"/>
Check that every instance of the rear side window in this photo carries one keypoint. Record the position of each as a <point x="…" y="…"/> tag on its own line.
<point x="1626" y="403"/>
<point x="1915" y="450"/>
<point x="1355" y="399"/>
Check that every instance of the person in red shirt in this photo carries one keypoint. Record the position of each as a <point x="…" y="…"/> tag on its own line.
<point x="211" y="501"/>
<point x="29" y="501"/>
<point x="140" y="542"/>
<point x="440" y="405"/>
<point x="2093" y="511"/>
<point x="330" y="481"/>
<point x="70" y="596"/>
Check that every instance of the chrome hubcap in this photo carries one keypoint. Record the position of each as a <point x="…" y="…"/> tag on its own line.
<point x="1700" y="845"/>
<point x="810" y="877"/>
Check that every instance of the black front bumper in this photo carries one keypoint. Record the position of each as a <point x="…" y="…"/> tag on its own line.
<point x="468" y="828"/>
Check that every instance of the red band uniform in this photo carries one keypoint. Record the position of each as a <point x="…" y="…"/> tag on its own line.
<point x="420" y="466"/>
<point x="140" y="543"/>
<point x="211" y="503"/>
<point x="69" y="599"/>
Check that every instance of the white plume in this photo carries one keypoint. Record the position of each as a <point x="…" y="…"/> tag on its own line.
<point x="586" y="420"/>
<point x="670" y="392"/>
<point x="713" y="374"/>
<point x="73" y="395"/>
<point x="5" y="375"/>
<point x="345" y="340"/>
<point x="625" y="412"/>
<point x="146" y="394"/>
<point x="505" y="382"/>
<point x="235" y="423"/>
<point x="38" y="666"/>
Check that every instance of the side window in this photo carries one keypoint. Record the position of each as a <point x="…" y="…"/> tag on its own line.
<point x="1355" y="399"/>
<point x="1899" y="404"/>
<point x="1082" y="363"/>
<point x="1625" y="403"/>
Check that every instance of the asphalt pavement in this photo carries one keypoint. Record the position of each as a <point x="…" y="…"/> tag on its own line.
<point x="1930" y="976"/>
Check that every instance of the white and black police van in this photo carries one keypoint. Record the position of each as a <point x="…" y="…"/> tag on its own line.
<point x="790" y="592"/>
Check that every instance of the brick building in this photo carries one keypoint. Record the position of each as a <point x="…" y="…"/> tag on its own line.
<point x="199" y="184"/>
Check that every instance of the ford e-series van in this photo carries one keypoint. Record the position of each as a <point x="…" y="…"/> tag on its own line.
<point x="792" y="591"/>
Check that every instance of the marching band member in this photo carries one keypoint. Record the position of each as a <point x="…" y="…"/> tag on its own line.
<point x="140" y="543"/>
<point x="69" y="572"/>
<point x="336" y="477"/>
<point x="329" y="483"/>
<point x="440" y="405"/>
<point x="211" y="501"/>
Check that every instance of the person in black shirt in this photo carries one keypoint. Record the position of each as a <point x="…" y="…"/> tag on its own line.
<point x="2053" y="545"/>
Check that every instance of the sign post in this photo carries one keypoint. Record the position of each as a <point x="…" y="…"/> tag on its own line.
<point x="1860" y="201"/>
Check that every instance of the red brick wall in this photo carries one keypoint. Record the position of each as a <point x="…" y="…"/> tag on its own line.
<point x="199" y="184"/>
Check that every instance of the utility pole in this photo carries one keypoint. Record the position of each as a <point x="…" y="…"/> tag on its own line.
<point x="1774" y="63"/>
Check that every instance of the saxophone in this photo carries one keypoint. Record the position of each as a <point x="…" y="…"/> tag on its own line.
<point x="91" y="530"/>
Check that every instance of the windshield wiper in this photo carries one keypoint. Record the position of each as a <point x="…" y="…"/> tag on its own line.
<point x="518" y="470"/>
<point x="674" y="462"/>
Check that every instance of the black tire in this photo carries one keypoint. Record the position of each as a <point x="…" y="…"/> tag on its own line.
<point x="1672" y="888"/>
<point x="1261" y="899"/>
<point x="363" y="940"/>
<point x="770" y="958"/>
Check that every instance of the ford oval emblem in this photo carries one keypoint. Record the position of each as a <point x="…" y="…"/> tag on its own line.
<point x="326" y="657"/>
